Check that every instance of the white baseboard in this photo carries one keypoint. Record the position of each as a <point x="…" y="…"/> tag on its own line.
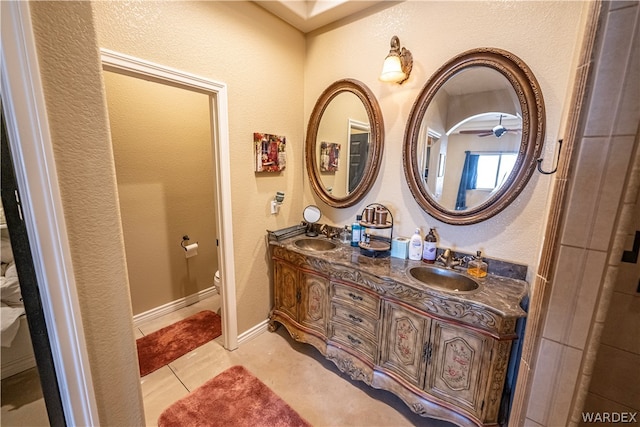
<point x="253" y="332"/>
<point x="18" y="365"/>
<point x="191" y="299"/>
<point x="174" y="305"/>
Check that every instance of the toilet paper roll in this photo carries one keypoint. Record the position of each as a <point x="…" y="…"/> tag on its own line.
<point x="191" y="250"/>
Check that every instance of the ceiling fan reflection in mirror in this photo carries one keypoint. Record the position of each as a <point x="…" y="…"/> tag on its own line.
<point x="497" y="131"/>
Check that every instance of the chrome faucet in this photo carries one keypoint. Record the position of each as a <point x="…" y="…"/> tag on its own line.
<point x="448" y="260"/>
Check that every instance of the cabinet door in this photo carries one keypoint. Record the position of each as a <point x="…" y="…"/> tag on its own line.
<point x="404" y="342"/>
<point x="314" y="301"/>
<point x="286" y="289"/>
<point x="456" y="366"/>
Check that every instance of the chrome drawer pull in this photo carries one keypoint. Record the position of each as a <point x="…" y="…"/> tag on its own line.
<point x="355" y="297"/>
<point x="354" y="340"/>
<point x="355" y="319"/>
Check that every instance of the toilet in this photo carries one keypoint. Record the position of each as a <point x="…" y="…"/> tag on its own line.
<point x="216" y="281"/>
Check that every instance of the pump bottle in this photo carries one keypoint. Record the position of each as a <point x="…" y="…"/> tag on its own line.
<point x="415" y="246"/>
<point x="430" y="247"/>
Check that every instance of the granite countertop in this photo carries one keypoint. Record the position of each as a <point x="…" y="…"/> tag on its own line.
<point x="499" y="294"/>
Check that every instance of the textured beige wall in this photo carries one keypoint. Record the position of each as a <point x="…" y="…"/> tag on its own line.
<point x="71" y="75"/>
<point x="435" y="32"/>
<point x="162" y="147"/>
<point x="261" y="60"/>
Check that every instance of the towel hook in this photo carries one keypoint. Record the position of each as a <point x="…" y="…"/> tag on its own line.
<point x="557" y="161"/>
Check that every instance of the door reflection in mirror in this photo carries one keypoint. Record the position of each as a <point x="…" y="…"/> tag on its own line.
<point x="344" y="123"/>
<point x="359" y="135"/>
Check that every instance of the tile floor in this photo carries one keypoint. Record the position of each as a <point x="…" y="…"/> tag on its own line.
<point x="298" y="373"/>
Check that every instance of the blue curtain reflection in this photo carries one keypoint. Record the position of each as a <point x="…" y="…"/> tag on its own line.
<point x="467" y="180"/>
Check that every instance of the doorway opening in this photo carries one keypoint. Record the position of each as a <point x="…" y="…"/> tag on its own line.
<point x="172" y="186"/>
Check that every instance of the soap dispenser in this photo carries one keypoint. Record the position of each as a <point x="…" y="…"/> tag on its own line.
<point x="430" y="247"/>
<point x="415" y="246"/>
<point x="477" y="267"/>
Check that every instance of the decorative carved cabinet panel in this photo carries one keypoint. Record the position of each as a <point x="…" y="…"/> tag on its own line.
<point x="444" y="359"/>
<point x="455" y="372"/>
<point x="286" y="289"/>
<point x="405" y="343"/>
<point x="313" y="302"/>
<point x="302" y="297"/>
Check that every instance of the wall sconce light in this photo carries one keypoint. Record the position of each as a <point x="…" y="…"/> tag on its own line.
<point x="398" y="64"/>
<point x="276" y="202"/>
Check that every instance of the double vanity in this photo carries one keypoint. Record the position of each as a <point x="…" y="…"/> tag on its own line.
<point x="437" y="338"/>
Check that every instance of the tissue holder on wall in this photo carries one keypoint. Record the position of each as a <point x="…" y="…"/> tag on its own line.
<point x="190" y="249"/>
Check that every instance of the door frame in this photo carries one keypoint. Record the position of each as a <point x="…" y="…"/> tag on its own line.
<point x="217" y="92"/>
<point x="35" y="170"/>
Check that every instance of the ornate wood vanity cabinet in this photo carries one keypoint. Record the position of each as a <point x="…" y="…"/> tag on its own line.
<point x="444" y="355"/>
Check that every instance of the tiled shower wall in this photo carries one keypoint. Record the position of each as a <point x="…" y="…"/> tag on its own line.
<point x="603" y="184"/>
<point x="615" y="379"/>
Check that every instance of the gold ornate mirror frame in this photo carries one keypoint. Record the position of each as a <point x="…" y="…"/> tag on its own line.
<point x="375" y="143"/>
<point x="531" y="102"/>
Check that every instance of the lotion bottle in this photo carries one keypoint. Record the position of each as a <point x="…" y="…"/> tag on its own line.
<point x="356" y="230"/>
<point x="430" y="247"/>
<point x="415" y="246"/>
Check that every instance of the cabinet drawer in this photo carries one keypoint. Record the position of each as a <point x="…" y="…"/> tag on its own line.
<point x="356" y="298"/>
<point x="352" y="339"/>
<point x="354" y="318"/>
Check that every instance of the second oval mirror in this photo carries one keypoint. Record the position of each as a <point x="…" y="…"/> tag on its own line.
<point x="344" y="143"/>
<point x="473" y="136"/>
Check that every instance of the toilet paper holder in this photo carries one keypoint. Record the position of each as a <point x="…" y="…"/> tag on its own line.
<point x="185" y="241"/>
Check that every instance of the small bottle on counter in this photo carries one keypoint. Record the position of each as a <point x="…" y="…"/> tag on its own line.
<point x="415" y="246"/>
<point x="477" y="267"/>
<point x="346" y="237"/>
<point x="356" y="230"/>
<point x="430" y="247"/>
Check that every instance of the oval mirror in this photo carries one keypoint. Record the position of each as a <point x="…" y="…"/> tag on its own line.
<point x="311" y="215"/>
<point x="344" y="143"/>
<point x="473" y="136"/>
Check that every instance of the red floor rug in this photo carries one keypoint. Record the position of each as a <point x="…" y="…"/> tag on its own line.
<point x="233" y="398"/>
<point x="167" y="344"/>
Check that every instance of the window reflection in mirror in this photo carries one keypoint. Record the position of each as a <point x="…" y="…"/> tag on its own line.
<point x="482" y="174"/>
<point x="475" y="110"/>
<point x="493" y="169"/>
<point x="495" y="157"/>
